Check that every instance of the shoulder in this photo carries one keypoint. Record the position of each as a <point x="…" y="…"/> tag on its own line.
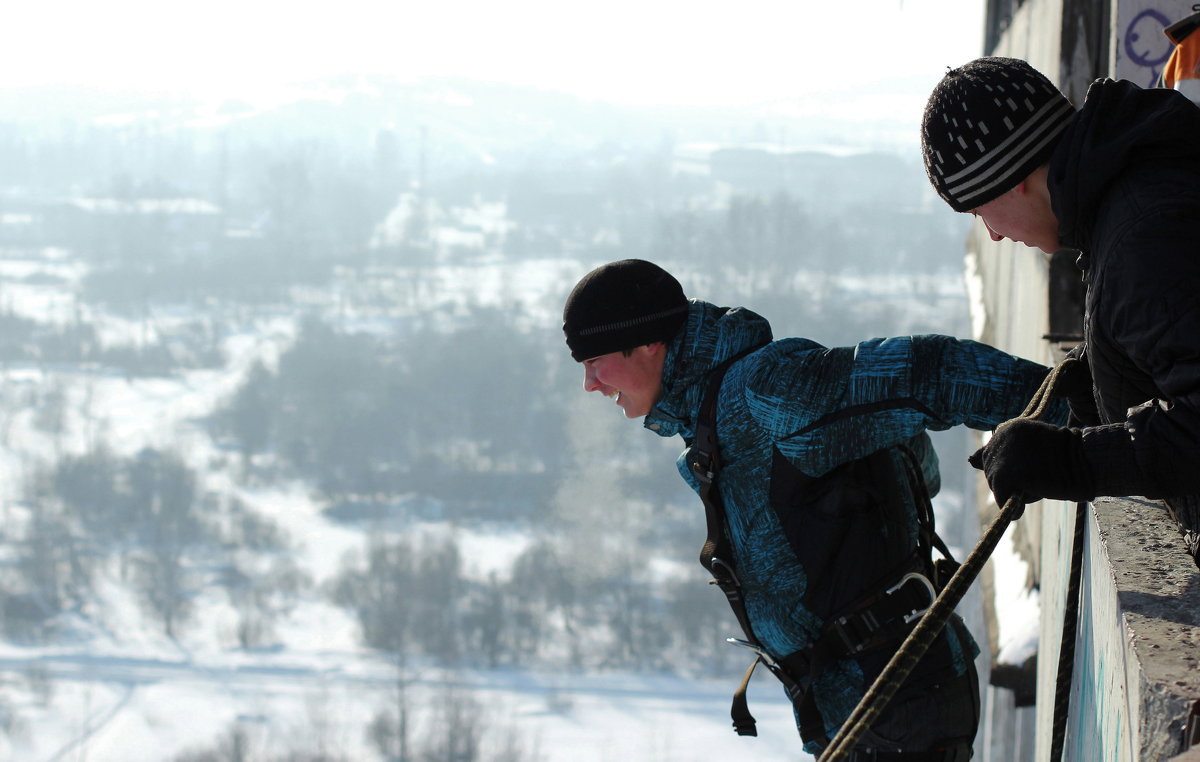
<point x="782" y="386"/>
<point x="1144" y="281"/>
<point x="1145" y="229"/>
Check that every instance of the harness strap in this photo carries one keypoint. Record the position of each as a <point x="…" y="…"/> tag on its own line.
<point x="715" y="554"/>
<point x="940" y="570"/>
<point x="705" y="463"/>
<point x="883" y="618"/>
<point x="744" y="722"/>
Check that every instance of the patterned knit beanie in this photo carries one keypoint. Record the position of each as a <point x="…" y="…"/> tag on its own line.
<point x="620" y="306"/>
<point x="987" y="125"/>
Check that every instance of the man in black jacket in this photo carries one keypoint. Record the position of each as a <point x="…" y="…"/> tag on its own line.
<point x="1119" y="181"/>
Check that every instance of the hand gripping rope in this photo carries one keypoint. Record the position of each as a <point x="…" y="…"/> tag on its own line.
<point x="918" y="641"/>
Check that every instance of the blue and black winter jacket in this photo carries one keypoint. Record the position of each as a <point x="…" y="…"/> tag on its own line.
<point x="795" y="410"/>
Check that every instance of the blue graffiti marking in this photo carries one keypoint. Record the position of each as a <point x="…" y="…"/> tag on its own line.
<point x="1145" y="44"/>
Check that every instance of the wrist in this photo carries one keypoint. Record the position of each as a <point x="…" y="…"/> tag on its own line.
<point x="1108" y="454"/>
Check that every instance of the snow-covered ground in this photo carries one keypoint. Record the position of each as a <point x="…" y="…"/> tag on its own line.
<point x="139" y="705"/>
<point x="121" y="691"/>
<point x="116" y="689"/>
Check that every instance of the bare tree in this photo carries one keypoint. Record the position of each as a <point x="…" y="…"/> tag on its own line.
<point x="456" y="728"/>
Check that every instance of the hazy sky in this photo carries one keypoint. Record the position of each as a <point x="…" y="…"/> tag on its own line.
<point x="628" y="51"/>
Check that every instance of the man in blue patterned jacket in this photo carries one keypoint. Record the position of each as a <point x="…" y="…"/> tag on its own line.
<point x="825" y="470"/>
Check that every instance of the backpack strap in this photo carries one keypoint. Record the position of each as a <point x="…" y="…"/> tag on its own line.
<point x="939" y="571"/>
<point x="704" y="461"/>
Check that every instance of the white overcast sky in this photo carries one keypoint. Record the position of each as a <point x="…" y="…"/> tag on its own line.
<point x="627" y="51"/>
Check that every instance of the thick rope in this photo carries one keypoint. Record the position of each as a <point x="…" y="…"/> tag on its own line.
<point x="1066" y="649"/>
<point x="921" y="638"/>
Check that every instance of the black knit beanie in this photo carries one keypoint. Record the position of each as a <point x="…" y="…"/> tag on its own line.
<point x="987" y="126"/>
<point x="620" y="306"/>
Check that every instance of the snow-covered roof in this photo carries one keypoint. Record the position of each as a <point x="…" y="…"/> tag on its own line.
<point x="173" y="206"/>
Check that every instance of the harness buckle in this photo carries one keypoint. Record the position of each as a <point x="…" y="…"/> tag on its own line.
<point x="915" y="613"/>
<point x="702" y="469"/>
<point x="724" y="573"/>
<point x="857" y="630"/>
<point x="759" y="650"/>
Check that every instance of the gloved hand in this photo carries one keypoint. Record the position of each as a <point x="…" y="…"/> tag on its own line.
<point x="1074" y="379"/>
<point x="1034" y="460"/>
<point x="1074" y="383"/>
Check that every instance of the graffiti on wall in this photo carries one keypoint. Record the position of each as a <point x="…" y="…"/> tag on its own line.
<point x="1141" y="46"/>
<point x="1146" y="47"/>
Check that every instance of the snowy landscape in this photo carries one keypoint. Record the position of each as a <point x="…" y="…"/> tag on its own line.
<point x="304" y="472"/>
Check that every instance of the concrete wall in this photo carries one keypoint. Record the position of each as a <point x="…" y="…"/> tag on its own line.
<point x="1136" y="681"/>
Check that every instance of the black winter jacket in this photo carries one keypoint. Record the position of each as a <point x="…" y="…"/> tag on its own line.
<point x="1124" y="183"/>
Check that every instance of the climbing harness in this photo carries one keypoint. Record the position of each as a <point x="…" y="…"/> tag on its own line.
<point x="871" y="622"/>
<point x="922" y="636"/>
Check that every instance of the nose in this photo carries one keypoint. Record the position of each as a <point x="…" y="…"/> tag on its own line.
<point x="994" y="235"/>
<point x="590" y="384"/>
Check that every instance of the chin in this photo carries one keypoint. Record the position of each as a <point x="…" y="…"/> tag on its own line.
<point x="633" y="411"/>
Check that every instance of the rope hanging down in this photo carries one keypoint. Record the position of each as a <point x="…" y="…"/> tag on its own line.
<point x="1066" y="652"/>
<point x="918" y="641"/>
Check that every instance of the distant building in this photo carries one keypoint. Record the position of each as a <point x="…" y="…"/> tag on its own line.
<point x="821" y="177"/>
<point x="442" y="234"/>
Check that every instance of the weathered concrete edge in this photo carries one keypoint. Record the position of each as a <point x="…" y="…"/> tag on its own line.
<point x="1158" y="592"/>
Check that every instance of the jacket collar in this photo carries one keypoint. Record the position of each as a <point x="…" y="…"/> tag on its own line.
<point x="711" y="335"/>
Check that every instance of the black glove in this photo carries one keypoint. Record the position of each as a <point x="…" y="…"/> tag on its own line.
<point x="1033" y="460"/>
<point x="1074" y="383"/>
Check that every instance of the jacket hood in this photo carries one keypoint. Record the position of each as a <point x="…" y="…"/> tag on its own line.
<point x="711" y="335"/>
<point x="1120" y="125"/>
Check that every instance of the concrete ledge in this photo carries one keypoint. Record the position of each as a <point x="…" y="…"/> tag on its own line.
<point x="1135" y="682"/>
